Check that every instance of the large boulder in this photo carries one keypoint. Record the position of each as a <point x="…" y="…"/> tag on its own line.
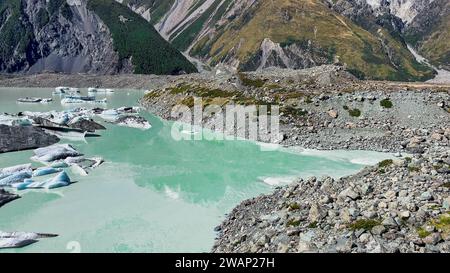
<point x="18" y="138"/>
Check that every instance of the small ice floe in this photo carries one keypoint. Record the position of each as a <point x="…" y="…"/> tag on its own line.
<point x="77" y="169"/>
<point x="109" y="115"/>
<point x="60" y="180"/>
<point x="15" y="177"/>
<point x="11" y="120"/>
<point x="21" y="239"/>
<point x="59" y="164"/>
<point x="66" y="101"/>
<point x="54" y="152"/>
<point x="77" y="100"/>
<point x="100" y="90"/>
<point x="84" y="162"/>
<point x="83" y="98"/>
<point x="102" y="101"/>
<point x="81" y="165"/>
<point x="45" y="171"/>
<point x="46" y="100"/>
<point x="68" y="135"/>
<point x="129" y="110"/>
<point x="14" y="169"/>
<point x="60" y="90"/>
<point x="29" y="100"/>
<point x="133" y="122"/>
<point x="65" y="90"/>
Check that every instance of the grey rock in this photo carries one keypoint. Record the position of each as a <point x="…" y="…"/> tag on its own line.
<point x="378" y="230"/>
<point x="6" y="197"/>
<point x="19" y="138"/>
<point x="350" y="193"/>
<point x="432" y="239"/>
<point x="426" y="196"/>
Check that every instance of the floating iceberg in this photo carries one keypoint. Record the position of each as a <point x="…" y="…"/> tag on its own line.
<point x="29" y="100"/>
<point x="71" y="101"/>
<point x="54" y="152"/>
<point x="20" y="239"/>
<point x="100" y="90"/>
<point x="15" y="178"/>
<point x="84" y="162"/>
<point x="133" y="122"/>
<point x="60" y="180"/>
<point x="46" y="100"/>
<point x="77" y="169"/>
<point x="45" y="171"/>
<point x="59" y="164"/>
<point x="109" y="115"/>
<point x="5" y="172"/>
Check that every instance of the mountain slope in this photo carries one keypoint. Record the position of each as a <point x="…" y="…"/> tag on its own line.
<point x="135" y="38"/>
<point x="250" y="35"/>
<point x="75" y="36"/>
<point x="429" y="33"/>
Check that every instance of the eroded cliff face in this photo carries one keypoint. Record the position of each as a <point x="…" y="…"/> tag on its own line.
<point x="63" y="36"/>
<point x="75" y="40"/>
<point x="406" y="10"/>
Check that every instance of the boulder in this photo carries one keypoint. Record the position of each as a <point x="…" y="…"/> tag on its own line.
<point x="18" y="138"/>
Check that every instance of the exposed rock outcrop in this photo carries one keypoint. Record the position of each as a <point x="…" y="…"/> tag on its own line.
<point x="6" y="197"/>
<point x="18" y="138"/>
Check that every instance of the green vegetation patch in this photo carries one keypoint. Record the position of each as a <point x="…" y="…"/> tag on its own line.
<point x="354" y="112"/>
<point x="294" y="206"/>
<point x="246" y="81"/>
<point x="386" y="103"/>
<point x="422" y="232"/>
<point x="442" y="224"/>
<point x="293" y="223"/>
<point x="385" y="163"/>
<point x="137" y="39"/>
<point x="365" y="224"/>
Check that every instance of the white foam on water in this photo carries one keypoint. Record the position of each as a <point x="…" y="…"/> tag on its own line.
<point x="278" y="181"/>
<point x="172" y="194"/>
<point x="356" y="157"/>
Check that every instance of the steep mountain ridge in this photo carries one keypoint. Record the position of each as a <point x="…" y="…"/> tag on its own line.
<point x="429" y="33"/>
<point x="74" y="36"/>
<point x="251" y="35"/>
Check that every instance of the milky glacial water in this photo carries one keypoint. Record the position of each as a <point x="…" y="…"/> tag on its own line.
<point x="154" y="194"/>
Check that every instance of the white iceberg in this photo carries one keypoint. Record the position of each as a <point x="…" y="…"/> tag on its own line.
<point x="45" y="171"/>
<point x="20" y="239"/>
<point x="60" y="180"/>
<point x="54" y="152"/>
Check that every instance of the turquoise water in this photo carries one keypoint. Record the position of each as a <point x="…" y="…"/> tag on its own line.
<point x="153" y="194"/>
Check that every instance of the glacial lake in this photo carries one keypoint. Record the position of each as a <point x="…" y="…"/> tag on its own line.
<point x="153" y="193"/>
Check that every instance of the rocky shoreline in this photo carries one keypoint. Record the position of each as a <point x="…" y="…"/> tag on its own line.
<point x="397" y="206"/>
<point x="324" y="108"/>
